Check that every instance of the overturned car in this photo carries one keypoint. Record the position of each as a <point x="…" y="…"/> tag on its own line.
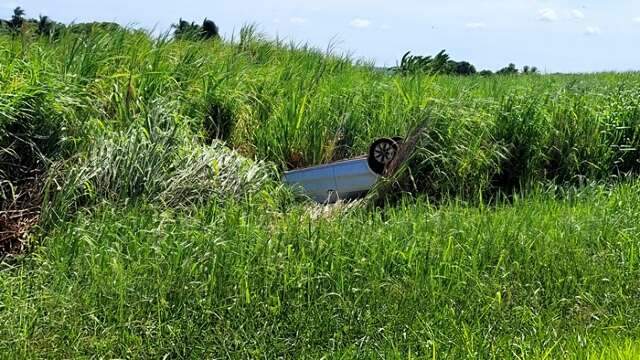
<point x="346" y="179"/>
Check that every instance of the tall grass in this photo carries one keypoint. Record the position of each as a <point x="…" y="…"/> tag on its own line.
<point x="164" y="232"/>
<point x="152" y="161"/>
<point x="515" y="281"/>
<point x="298" y="107"/>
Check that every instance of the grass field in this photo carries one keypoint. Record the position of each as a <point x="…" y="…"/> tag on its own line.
<point x="518" y="237"/>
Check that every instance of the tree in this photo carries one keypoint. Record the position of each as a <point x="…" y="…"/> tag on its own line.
<point x="17" y="19"/>
<point x="509" y="70"/>
<point x="440" y="61"/>
<point x="439" y="64"/>
<point x="186" y="30"/>
<point x="411" y="64"/>
<point x="209" y="30"/>
<point x="45" y="26"/>
<point x="192" y="31"/>
<point x="463" y="68"/>
<point x="529" y="70"/>
<point x="486" y="73"/>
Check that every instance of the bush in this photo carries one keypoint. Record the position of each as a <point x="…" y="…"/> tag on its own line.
<point x="153" y="161"/>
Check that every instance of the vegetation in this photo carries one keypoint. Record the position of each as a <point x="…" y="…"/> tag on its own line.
<point x="442" y="64"/>
<point x="150" y="168"/>
<point x="43" y="25"/>
<point x="185" y="30"/>
<point x="537" y="276"/>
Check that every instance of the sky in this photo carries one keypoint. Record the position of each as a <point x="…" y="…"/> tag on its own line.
<point x="554" y="35"/>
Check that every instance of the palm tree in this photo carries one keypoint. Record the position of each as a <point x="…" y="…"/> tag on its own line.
<point x="17" y="19"/>
<point x="18" y="12"/>
<point x="44" y="25"/>
<point x="209" y="29"/>
<point x="186" y="30"/>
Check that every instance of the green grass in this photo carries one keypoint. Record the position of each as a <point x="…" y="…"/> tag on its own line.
<point x="520" y="239"/>
<point x="296" y="107"/>
<point x="244" y="278"/>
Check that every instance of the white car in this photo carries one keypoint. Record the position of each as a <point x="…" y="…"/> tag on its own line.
<point x="346" y="179"/>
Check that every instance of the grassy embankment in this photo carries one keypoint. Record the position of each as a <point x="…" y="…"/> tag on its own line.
<point x="152" y="241"/>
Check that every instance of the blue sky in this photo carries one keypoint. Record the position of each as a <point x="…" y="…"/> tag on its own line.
<point x="555" y="35"/>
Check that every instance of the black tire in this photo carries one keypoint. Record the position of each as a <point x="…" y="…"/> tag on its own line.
<point x="381" y="153"/>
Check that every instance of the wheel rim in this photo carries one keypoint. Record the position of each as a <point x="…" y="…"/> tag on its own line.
<point x="384" y="153"/>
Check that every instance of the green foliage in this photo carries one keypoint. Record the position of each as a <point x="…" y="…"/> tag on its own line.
<point x="461" y="68"/>
<point x="31" y="124"/>
<point x="509" y="70"/>
<point x="17" y="19"/>
<point x="85" y="29"/>
<point x="412" y="64"/>
<point x="442" y="64"/>
<point x="295" y="107"/>
<point x="45" y="26"/>
<point x="154" y="161"/>
<point x="158" y="240"/>
<point x="540" y="277"/>
<point x="192" y="31"/>
<point x="210" y="30"/>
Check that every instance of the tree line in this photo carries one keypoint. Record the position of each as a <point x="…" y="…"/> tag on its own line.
<point x="441" y="63"/>
<point x="18" y="23"/>
<point x="44" y="26"/>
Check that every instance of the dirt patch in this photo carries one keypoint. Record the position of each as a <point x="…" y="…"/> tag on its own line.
<point x="16" y="226"/>
<point x="18" y="216"/>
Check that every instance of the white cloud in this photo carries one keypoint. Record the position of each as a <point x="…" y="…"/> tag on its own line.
<point x="592" y="30"/>
<point x="636" y="19"/>
<point x="577" y="14"/>
<point x="475" y="25"/>
<point x="297" y="20"/>
<point x="547" y="14"/>
<point x="359" y="23"/>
